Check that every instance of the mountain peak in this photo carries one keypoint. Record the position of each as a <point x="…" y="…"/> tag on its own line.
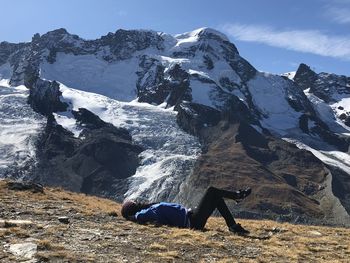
<point x="304" y="68"/>
<point x="304" y="76"/>
<point x="52" y="38"/>
<point x="204" y="32"/>
<point x="59" y="31"/>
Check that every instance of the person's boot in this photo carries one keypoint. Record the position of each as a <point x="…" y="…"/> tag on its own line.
<point x="238" y="229"/>
<point x="241" y="194"/>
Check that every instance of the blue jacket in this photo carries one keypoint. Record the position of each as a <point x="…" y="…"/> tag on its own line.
<point x="165" y="214"/>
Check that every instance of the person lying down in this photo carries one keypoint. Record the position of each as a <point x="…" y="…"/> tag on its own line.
<point x="173" y="214"/>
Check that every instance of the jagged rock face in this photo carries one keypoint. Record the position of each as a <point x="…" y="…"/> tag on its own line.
<point x="155" y="86"/>
<point x="26" y="59"/>
<point x="152" y="88"/>
<point x="179" y="85"/>
<point x="324" y="85"/>
<point x="164" y="72"/>
<point x="124" y="43"/>
<point x="8" y="49"/>
<point x="193" y="117"/>
<point x="328" y="93"/>
<point x="44" y="97"/>
<point x="305" y="76"/>
<point x="98" y="162"/>
<point x="202" y="66"/>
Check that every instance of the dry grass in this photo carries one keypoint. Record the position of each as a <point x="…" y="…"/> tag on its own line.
<point x="58" y="256"/>
<point x="295" y="243"/>
<point x="4" y="232"/>
<point x="44" y="244"/>
<point x="96" y="235"/>
<point x="156" y="246"/>
<point x="88" y="205"/>
<point x="163" y="255"/>
<point x="17" y="232"/>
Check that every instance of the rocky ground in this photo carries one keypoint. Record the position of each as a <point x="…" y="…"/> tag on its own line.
<point x="59" y="226"/>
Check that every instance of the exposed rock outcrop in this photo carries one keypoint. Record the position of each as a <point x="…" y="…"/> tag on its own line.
<point x="155" y="86"/>
<point x="98" y="162"/>
<point x="323" y="85"/>
<point x="44" y="97"/>
<point x="193" y="117"/>
<point x="305" y="77"/>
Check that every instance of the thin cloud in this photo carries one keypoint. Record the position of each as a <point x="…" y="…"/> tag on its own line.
<point x="339" y="15"/>
<point x="338" y="11"/>
<point x="308" y="41"/>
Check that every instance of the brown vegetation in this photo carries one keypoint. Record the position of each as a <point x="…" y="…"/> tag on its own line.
<point x="95" y="234"/>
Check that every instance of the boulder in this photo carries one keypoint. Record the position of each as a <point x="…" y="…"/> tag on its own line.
<point x="24" y="250"/>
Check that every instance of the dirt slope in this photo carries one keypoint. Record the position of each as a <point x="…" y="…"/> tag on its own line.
<point x="97" y="233"/>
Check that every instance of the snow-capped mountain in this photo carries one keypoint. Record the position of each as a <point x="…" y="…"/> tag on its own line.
<point x="149" y="84"/>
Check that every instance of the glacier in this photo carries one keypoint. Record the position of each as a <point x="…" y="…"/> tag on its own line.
<point x="170" y="153"/>
<point x="19" y="128"/>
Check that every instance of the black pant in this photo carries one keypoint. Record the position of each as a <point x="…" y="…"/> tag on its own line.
<point x="212" y="199"/>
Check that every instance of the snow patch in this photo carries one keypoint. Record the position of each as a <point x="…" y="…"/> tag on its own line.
<point x="197" y="72"/>
<point x="290" y="75"/>
<point x="90" y="73"/>
<point x="268" y="94"/>
<point x="67" y="121"/>
<point x="187" y="39"/>
<point x="201" y="93"/>
<point x="192" y="36"/>
<point x="327" y="113"/>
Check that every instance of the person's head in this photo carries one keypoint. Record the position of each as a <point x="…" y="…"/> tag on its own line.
<point x="130" y="208"/>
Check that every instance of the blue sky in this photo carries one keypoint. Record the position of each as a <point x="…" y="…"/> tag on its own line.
<point x="273" y="35"/>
